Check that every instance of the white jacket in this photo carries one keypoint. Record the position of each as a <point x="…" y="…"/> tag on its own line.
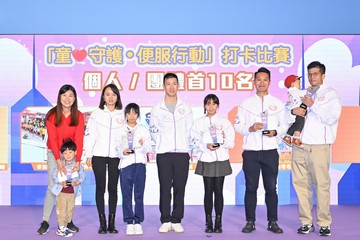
<point x="140" y="151"/>
<point x="250" y="111"/>
<point x="56" y="189"/>
<point x="322" y="118"/>
<point x="100" y="132"/>
<point x="171" y="132"/>
<point x="201" y="126"/>
<point x="294" y="95"/>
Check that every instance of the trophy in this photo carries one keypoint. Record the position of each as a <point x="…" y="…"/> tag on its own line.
<point x="130" y="138"/>
<point x="264" y="119"/>
<point x="310" y="91"/>
<point x="214" y="136"/>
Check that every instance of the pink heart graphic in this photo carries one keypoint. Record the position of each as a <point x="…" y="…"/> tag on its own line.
<point x="79" y="55"/>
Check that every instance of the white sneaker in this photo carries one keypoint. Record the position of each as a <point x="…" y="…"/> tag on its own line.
<point x="138" y="229"/>
<point x="130" y="229"/>
<point x="165" y="227"/>
<point x="177" y="227"/>
<point x="63" y="232"/>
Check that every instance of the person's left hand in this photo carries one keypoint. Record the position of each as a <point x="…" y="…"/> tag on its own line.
<point x="308" y="101"/>
<point x="211" y="146"/>
<point x="75" y="183"/>
<point x="76" y="167"/>
<point x="272" y="133"/>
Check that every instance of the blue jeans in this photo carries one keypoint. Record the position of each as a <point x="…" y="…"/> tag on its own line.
<point x="132" y="178"/>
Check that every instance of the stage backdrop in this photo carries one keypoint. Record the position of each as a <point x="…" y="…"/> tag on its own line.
<point x="34" y="67"/>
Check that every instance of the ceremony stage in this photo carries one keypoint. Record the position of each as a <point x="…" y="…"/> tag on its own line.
<point x="21" y="222"/>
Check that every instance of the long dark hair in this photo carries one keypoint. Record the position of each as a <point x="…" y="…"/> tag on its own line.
<point x="118" y="104"/>
<point x="57" y="110"/>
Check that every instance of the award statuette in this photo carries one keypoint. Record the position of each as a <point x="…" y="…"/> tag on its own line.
<point x="264" y="119"/>
<point x="130" y="138"/>
<point x="68" y="183"/>
<point x="310" y="91"/>
<point x="214" y="136"/>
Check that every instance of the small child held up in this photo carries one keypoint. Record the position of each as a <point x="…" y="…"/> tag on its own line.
<point x="67" y="187"/>
<point x="292" y="82"/>
<point x="133" y="143"/>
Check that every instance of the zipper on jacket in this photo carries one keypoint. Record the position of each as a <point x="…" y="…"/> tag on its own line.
<point x="110" y="135"/>
<point x="174" y="129"/>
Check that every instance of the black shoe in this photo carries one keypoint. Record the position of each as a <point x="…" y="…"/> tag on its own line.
<point x="111" y="227"/>
<point x="306" y="228"/>
<point x="218" y="224"/>
<point x="325" y="231"/>
<point x="44" y="228"/>
<point x="274" y="227"/>
<point x="209" y="229"/>
<point x="102" y="228"/>
<point x="72" y="228"/>
<point x="249" y="227"/>
<point x="209" y="224"/>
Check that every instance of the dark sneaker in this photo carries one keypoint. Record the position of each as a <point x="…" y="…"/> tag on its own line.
<point x="274" y="227"/>
<point x="249" y="227"/>
<point x="306" y="228"/>
<point x="44" y="228"/>
<point x="72" y="228"/>
<point x="325" y="231"/>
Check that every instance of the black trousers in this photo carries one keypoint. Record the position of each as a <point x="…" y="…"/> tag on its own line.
<point x="213" y="187"/>
<point x="298" y="125"/>
<point x="173" y="170"/>
<point x="99" y="167"/>
<point x="266" y="161"/>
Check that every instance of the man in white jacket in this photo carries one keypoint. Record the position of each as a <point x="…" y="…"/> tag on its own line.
<point x="260" y="119"/>
<point x="311" y="163"/>
<point x="170" y="125"/>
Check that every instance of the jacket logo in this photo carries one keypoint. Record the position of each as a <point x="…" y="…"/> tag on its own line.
<point x="181" y="110"/>
<point x="322" y="98"/>
<point x="272" y="107"/>
<point x="219" y="127"/>
<point x="120" y="121"/>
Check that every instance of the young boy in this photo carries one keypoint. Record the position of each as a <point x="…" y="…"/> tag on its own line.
<point x="292" y="82"/>
<point x="67" y="187"/>
<point x="133" y="144"/>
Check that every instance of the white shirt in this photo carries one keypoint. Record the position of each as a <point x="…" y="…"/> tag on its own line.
<point x="200" y="126"/>
<point x="294" y="95"/>
<point x="322" y="118"/>
<point x="140" y="151"/>
<point x="100" y="132"/>
<point x="250" y="112"/>
<point x="171" y="131"/>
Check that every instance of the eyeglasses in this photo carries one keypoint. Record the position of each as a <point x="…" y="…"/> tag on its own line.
<point x="313" y="74"/>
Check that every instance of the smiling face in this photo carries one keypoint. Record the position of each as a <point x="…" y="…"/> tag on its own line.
<point x="262" y="83"/>
<point x="67" y="99"/>
<point x="171" y="86"/>
<point x="110" y="98"/>
<point x="211" y="108"/>
<point x="315" y="76"/>
<point x="69" y="155"/>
